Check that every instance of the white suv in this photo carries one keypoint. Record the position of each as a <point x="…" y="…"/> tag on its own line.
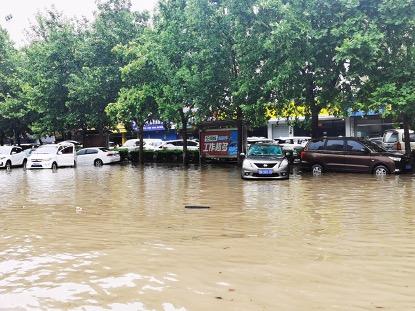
<point x="12" y="156"/>
<point x="53" y="156"/>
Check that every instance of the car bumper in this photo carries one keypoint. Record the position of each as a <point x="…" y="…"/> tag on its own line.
<point x="255" y="174"/>
<point x="38" y="165"/>
<point x="113" y="159"/>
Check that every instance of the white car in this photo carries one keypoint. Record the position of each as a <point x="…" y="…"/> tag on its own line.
<point x="12" y="156"/>
<point x="53" y="156"/>
<point x="393" y="140"/>
<point x="149" y="144"/>
<point x="177" y="144"/>
<point x="97" y="156"/>
<point x="294" y="144"/>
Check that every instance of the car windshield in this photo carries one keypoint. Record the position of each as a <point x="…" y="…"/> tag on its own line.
<point x="4" y="150"/>
<point x="264" y="150"/>
<point x="372" y="146"/>
<point x="46" y="150"/>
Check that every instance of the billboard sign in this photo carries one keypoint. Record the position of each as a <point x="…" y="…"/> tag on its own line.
<point x="219" y="143"/>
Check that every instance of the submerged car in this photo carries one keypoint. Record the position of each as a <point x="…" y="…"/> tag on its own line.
<point x="350" y="154"/>
<point x="53" y="156"/>
<point x="265" y="161"/>
<point x="177" y="144"/>
<point x="12" y="156"/>
<point x="97" y="156"/>
<point x="293" y="145"/>
<point x="148" y="144"/>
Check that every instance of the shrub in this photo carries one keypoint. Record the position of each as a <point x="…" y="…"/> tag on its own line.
<point x="164" y="156"/>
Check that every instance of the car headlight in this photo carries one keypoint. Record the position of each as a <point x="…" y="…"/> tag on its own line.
<point x="396" y="159"/>
<point x="247" y="164"/>
<point x="283" y="163"/>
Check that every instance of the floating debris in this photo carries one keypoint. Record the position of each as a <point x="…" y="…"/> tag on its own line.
<point x="197" y="206"/>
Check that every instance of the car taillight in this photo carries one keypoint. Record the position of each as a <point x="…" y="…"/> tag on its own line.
<point x="302" y="154"/>
<point x="398" y="146"/>
<point x="110" y="154"/>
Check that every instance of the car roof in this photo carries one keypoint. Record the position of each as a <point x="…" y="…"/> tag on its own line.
<point x="266" y="144"/>
<point x="294" y="137"/>
<point x="339" y="138"/>
<point x="398" y="130"/>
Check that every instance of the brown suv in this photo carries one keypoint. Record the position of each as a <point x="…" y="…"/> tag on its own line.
<point x="349" y="154"/>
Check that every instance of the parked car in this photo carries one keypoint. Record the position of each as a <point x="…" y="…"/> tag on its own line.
<point x="265" y="161"/>
<point x="177" y="144"/>
<point x="97" y="156"/>
<point x="53" y="156"/>
<point x="12" y="156"/>
<point x="394" y="140"/>
<point x="349" y="154"/>
<point x="255" y="140"/>
<point x="149" y="144"/>
<point x="377" y="141"/>
<point x="294" y="145"/>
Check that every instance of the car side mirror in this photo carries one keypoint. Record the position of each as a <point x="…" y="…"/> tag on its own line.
<point x="13" y="152"/>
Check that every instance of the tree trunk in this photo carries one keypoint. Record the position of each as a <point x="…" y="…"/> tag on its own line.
<point x="407" y="140"/>
<point x="141" y="147"/>
<point x="184" y="137"/>
<point x="315" y="110"/>
<point x="239" y="125"/>
<point x="17" y="137"/>
<point x="84" y="136"/>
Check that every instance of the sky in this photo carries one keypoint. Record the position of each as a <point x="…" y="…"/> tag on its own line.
<point x="24" y="11"/>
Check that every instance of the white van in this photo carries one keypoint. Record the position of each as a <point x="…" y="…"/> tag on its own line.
<point x="393" y="140"/>
<point x="53" y="156"/>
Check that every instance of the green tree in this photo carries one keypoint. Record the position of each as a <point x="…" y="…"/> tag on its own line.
<point x="15" y="114"/>
<point x="50" y="63"/>
<point x="98" y="82"/>
<point x="302" y="64"/>
<point x="189" y="55"/>
<point x="243" y="29"/>
<point x="381" y="57"/>
<point x="137" y="99"/>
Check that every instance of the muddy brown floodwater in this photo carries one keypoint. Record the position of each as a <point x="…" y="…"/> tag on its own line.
<point x="119" y="238"/>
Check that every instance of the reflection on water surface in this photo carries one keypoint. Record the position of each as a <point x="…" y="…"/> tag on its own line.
<point x="119" y="238"/>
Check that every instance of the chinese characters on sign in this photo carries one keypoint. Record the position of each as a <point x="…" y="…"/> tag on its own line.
<point x="222" y="143"/>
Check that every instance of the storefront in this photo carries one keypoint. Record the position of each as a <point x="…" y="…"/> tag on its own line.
<point x="368" y="125"/>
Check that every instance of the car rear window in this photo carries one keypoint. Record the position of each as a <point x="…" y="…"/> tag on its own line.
<point x="335" y="144"/>
<point x="316" y="145"/>
<point x="390" y="137"/>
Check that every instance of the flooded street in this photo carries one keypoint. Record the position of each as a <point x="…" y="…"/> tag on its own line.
<point x="119" y="238"/>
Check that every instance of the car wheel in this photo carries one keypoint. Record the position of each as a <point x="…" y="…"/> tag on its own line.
<point x="381" y="170"/>
<point x="54" y="166"/>
<point x="8" y="165"/>
<point x="98" y="162"/>
<point x="317" y="169"/>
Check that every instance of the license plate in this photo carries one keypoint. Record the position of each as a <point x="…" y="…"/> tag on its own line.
<point x="265" y="172"/>
<point x="36" y="165"/>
